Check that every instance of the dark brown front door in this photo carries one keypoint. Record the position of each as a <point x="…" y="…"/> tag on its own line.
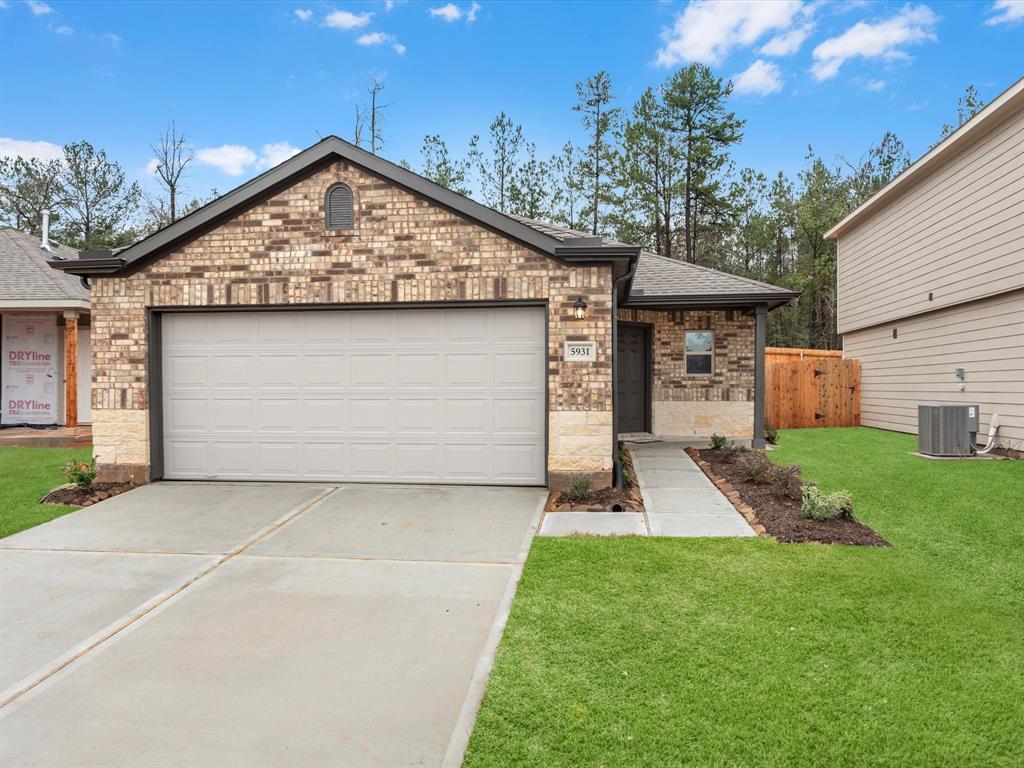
<point x="631" y="387"/>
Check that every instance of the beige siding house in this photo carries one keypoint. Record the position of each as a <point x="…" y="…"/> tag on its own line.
<point x="931" y="279"/>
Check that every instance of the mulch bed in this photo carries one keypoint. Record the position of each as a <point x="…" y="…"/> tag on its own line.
<point x="73" y="496"/>
<point x="778" y="516"/>
<point x="603" y="500"/>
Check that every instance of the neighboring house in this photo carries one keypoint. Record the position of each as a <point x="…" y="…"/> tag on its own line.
<point x="427" y="338"/>
<point x="931" y="279"/>
<point x="44" y="335"/>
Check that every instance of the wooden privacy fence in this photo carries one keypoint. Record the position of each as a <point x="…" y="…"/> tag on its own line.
<point x="811" y="388"/>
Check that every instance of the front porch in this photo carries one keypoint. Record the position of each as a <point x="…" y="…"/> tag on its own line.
<point x="46" y="437"/>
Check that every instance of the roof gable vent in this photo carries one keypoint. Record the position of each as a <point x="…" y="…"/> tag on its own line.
<point x="340" y="213"/>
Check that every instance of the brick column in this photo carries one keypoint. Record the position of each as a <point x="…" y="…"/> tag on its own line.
<point x="71" y="369"/>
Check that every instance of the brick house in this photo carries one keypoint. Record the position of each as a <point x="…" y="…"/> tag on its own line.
<point x="340" y="318"/>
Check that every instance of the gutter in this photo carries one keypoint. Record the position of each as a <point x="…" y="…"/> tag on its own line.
<point x="626" y="282"/>
<point x="721" y="301"/>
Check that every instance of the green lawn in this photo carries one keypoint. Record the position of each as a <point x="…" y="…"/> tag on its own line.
<point x="25" y="475"/>
<point x="661" y="652"/>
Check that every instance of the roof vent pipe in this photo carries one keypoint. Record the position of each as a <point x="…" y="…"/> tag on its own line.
<point x="45" y="243"/>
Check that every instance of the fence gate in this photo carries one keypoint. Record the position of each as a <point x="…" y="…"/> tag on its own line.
<point x="811" y="388"/>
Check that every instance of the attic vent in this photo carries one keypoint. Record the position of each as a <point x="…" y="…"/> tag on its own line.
<point x="339" y="208"/>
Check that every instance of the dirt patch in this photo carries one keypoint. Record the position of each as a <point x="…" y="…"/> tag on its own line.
<point x="780" y="516"/>
<point x="73" y="496"/>
<point x="627" y="498"/>
<point x="1008" y="453"/>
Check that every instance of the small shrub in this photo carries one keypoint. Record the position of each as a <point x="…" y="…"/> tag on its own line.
<point x="824" y="506"/>
<point x="580" y="487"/>
<point x="785" y="482"/>
<point x="719" y="442"/>
<point x="732" y="452"/>
<point x="754" y="467"/>
<point x="771" y="434"/>
<point x="80" y="473"/>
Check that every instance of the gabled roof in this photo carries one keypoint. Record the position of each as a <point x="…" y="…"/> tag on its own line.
<point x="990" y="117"/>
<point x="621" y="256"/>
<point x="661" y="281"/>
<point x="25" y="274"/>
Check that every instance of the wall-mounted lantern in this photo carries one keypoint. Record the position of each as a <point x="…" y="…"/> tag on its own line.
<point x="579" y="309"/>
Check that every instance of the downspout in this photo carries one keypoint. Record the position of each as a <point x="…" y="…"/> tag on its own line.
<point x="617" y="478"/>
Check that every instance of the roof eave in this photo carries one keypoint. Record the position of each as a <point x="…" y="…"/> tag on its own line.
<point x="704" y="301"/>
<point x="971" y="131"/>
<point x="87" y="267"/>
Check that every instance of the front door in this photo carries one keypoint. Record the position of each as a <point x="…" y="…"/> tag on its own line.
<point x="631" y="387"/>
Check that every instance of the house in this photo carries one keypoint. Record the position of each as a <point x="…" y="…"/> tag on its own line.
<point x="340" y="318"/>
<point x="44" y="335"/>
<point x="931" y="279"/>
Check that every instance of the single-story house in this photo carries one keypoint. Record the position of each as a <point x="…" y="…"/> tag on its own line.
<point x="340" y="318"/>
<point x="931" y="279"/>
<point x="44" y="335"/>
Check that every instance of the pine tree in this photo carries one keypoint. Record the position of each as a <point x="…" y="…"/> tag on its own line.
<point x="599" y="118"/>
<point x="497" y="169"/>
<point x="98" y="204"/>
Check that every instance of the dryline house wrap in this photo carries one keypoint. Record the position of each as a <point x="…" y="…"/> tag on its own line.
<point x="29" y="375"/>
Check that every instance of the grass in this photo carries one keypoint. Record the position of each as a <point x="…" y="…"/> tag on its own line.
<point x="671" y="652"/>
<point x="25" y="475"/>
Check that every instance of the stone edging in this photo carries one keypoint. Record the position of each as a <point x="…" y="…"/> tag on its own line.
<point x="730" y="493"/>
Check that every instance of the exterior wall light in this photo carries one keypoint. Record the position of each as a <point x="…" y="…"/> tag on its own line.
<point x="579" y="309"/>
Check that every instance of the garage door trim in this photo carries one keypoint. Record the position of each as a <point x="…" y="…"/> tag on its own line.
<point x="154" y="316"/>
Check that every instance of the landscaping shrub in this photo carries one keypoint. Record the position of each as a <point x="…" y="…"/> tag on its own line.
<point x="580" y="487"/>
<point x="719" y="442"/>
<point x="785" y="482"/>
<point x="771" y="434"/>
<point x="823" y="506"/>
<point x="754" y="467"/>
<point x="80" y="473"/>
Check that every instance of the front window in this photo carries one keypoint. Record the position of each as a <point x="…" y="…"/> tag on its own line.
<point x="700" y="353"/>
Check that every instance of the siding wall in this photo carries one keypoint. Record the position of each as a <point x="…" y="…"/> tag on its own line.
<point x="985" y="337"/>
<point x="958" y="234"/>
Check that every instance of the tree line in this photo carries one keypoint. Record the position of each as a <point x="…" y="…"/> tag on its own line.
<point x="659" y="175"/>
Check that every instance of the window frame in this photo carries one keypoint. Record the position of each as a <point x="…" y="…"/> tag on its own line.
<point x="709" y="354"/>
<point x="327" y="207"/>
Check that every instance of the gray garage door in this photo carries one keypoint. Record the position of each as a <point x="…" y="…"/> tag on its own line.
<point x="417" y="396"/>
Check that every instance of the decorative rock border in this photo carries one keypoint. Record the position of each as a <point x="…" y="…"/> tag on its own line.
<point x="730" y="493"/>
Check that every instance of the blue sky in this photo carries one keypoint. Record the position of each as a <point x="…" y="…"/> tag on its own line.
<point x="251" y="82"/>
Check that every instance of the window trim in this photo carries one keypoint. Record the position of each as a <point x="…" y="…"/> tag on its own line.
<point x="327" y="207"/>
<point x="710" y="353"/>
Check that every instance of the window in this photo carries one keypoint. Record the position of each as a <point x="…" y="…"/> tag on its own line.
<point x="339" y="208"/>
<point x="700" y="353"/>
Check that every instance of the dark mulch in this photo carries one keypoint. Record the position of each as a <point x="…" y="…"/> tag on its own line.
<point x="603" y="500"/>
<point x="781" y="516"/>
<point x="73" y="496"/>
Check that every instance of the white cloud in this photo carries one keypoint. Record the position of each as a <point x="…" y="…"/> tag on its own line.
<point x="875" y="85"/>
<point x="63" y="29"/>
<point x="347" y="20"/>
<point x="3" y="5"/>
<point x="450" y="12"/>
<point x="111" y="38"/>
<point x="474" y="9"/>
<point x="233" y="159"/>
<point x="151" y="166"/>
<point x="38" y="8"/>
<point x="761" y="78"/>
<point x="389" y="4"/>
<point x="708" y="29"/>
<point x="43" y="150"/>
<point x="399" y="49"/>
<point x="1006" y="12"/>
<point x="373" y="38"/>
<point x="788" y="42"/>
<point x="303" y="14"/>
<point x="275" y="154"/>
<point x="914" y="24"/>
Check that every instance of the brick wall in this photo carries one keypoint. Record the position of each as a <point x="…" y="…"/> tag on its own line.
<point x="701" y="405"/>
<point x="403" y="249"/>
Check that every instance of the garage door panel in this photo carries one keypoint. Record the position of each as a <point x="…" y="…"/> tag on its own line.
<point x="229" y="371"/>
<point x="367" y="371"/>
<point x="439" y="395"/>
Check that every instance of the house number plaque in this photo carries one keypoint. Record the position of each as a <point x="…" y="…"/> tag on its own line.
<point x="580" y="351"/>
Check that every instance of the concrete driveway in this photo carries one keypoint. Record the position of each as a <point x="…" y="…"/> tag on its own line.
<point x="202" y="624"/>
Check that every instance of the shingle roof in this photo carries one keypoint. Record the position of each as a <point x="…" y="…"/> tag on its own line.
<point x="25" y="274"/>
<point x="661" y="277"/>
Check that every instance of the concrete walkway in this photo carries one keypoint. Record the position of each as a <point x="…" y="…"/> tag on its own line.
<point x="256" y="625"/>
<point x="678" y="498"/>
